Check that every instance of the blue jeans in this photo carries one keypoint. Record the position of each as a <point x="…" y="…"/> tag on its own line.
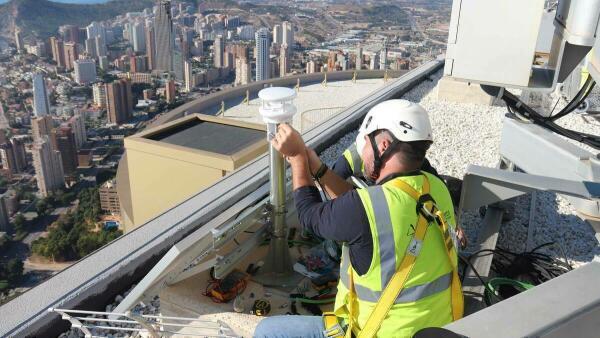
<point x="290" y="327"/>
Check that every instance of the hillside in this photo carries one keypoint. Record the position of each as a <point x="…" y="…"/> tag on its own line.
<point x="42" y="18"/>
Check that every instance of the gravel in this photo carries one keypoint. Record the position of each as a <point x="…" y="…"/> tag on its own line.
<point x="470" y="134"/>
<point x="152" y="308"/>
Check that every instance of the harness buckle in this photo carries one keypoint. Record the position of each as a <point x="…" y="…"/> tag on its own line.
<point x="332" y="326"/>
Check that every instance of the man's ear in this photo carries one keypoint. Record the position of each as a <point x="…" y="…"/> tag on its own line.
<point x="383" y="145"/>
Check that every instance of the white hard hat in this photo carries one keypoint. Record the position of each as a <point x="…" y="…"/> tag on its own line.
<point x="406" y="120"/>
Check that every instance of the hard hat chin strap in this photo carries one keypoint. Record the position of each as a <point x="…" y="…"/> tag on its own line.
<point x="378" y="157"/>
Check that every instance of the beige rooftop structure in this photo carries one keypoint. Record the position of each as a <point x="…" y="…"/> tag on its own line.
<point x="176" y="160"/>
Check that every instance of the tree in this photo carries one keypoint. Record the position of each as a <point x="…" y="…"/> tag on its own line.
<point x="19" y="223"/>
<point x="42" y="206"/>
<point x="14" y="270"/>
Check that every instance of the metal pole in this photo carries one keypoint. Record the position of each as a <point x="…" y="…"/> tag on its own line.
<point x="277" y="270"/>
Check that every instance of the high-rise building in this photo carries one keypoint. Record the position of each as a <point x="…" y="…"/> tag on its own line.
<point x="219" y="48"/>
<point x="101" y="49"/>
<point x="109" y="200"/>
<point x="150" y="45"/>
<point x="359" y="58"/>
<point x="332" y="61"/>
<point x="383" y="57"/>
<point x="232" y="22"/>
<point x="4" y="221"/>
<point x="9" y="161"/>
<point x="311" y="67"/>
<point x="277" y="34"/>
<point x="19" y="41"/>
<point x="243" y="72"/>
<point x="170" y="91"/>
<point x="137" y="64"/>
<point x="103" y="62"/>
<point x="262" y="55"/>
<point x="70" y="51"/>
<point x="41" y="103"/>
<point x="246" y="32"/>
<point x="284" y="62"/>
<point x="187" y="42"/>
<point x="58" y="53"/>
<point x="96" y="29"/>
<point x="41" y="126"/>
<point x="119" y="101"/>
<point x="178" y="64"/>
<point x="63" y="140"/>
<point x="165" y="37"/>
<point x="374" y="61"/>
<point x="139" y="37"/>
<point x="18" y="146"/>
<point x="48" y="167"/>
<point x="70" y="33"/>
<point x="198" y="48"/>
<point x="85" y="71"/>
<point x="190" y="79"/>
<point x="90" y="48"/>
<point x="287" y="35"/>
<point x="99" y="92"/>
<point x="78" y="126"/>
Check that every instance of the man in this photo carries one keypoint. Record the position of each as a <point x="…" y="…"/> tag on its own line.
<point x="383" y="228"/>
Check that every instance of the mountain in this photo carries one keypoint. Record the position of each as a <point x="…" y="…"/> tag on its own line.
<point x="42" y="18"/>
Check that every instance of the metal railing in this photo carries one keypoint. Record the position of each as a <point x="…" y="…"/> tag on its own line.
<point x="311" y="118"/>
<point x="95" y="324"/>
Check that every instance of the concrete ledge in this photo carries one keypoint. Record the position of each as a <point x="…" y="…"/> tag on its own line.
<point x="94" y="281"/>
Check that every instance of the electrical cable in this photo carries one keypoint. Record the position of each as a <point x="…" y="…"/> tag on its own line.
<point x="517" y="106"/>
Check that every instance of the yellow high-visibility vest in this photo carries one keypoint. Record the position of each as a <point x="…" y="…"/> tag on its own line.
<point x="425" y="300"/>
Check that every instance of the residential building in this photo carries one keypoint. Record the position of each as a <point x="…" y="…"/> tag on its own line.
<point x="243" y="71"/>
<point x="119" y="99"/>
<point x="150" y="45"/>
<point x="63" y="140"/>
<point x="85" y="71"/>
<point x="109" y="200"/>
<point x="262" y="55"/>
<point x="99" y="92"/>
<point x="139" y="37"/>
<point x="170" y="91"/>
<point x="287" y="35"/>
<point x="48" y="167"/>
<point x="219" y="48"/>
<point x="58" y="54"/>
<point x="41" y="126"/>
<point x="70" y="52"/>
<point x="277" y="34"/>
<point x="77" y="125"/>
<point x="284" y="62"/>
<point x="41" y="102"/>
<point x="165" y="37"/>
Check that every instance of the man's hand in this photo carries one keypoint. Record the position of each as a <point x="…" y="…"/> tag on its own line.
<point x="288" y="141"/>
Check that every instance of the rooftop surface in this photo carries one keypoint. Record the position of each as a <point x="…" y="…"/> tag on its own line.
<point x="314" y="102"/>
<point x="209" y="136"/>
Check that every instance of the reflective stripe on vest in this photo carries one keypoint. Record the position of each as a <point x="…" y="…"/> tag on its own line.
<point x="356" y="162"/>
<point x="408" y="295"/>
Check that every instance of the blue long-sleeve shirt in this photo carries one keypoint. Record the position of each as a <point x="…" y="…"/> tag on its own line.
<point x="342" y="219"/>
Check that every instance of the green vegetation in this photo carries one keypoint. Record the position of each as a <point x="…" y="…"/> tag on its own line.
<point x="54" y="14"/>
<point x="10" y="273"/>
<point x="386" y="13"/>
<point x="73" y="236"/>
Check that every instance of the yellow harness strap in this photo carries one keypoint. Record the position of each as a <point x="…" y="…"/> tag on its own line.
<point x="398" y="281"/>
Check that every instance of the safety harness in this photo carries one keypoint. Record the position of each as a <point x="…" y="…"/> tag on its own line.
<point x="428" y="213"/>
